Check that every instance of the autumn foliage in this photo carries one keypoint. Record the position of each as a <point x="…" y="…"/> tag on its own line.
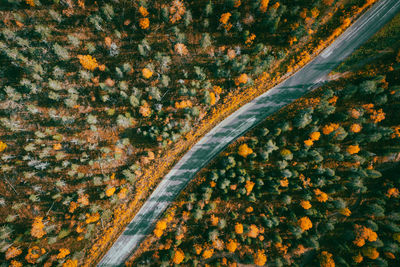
<point x="12" y="252"/>
<point x="305" y="223"/>
<point x="260" y="258"/>
<point x="244" y="150"/>
<point x="144" y="23"/>
<point x="88" y="62"/>
<point x="178" y="257"/>
<point x="3" y="146"/>
<point x="37" y="228"/>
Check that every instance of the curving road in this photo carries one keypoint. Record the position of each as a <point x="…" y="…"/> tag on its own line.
<point x="242" y="121"/>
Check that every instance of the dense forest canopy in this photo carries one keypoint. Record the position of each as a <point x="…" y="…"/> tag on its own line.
<point x="96" y="95"/>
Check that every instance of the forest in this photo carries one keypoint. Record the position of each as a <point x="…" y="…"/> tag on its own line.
<point x="316" y="184"/>
<point x="99" y="98"/>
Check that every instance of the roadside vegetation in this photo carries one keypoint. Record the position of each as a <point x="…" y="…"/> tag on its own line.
<point x="316" y="184"/>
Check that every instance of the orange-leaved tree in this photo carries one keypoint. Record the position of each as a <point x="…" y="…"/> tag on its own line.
<point x="260" y="258"/>
<point x="244" y="150"/>
<point x="88" y="62"/>
<point x="37" y="228"/>
<point x="305" y="223"/>
<point x="179" y="256"/>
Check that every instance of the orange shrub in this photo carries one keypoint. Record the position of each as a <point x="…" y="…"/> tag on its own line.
<point x="231" y="54"/>
<point x="145" y="110"/>
<point x="208" y="253"/>
<point x="110" y="191"/>
<point x="353" y="149"/>
<point x="244" y="150"/>
<point x="57" y="146"/>
<point x="369" y="108"/>
<point x="321" y="196"/>
<point x="37" y="228"/>
<point x="242" y="79"/>
<point x="249" y="186"/>
<point x="160" y="227"/>
<point x="158" y="233"/>
<point x="144" y="23"/>
<point x="276" y="5"/>
<point x="304" y="223"/>
<point x="91" y="218"/>
<point x="3" y="146"/>
<point x="214" y="220"/>
<point x="370" y="252"/>
<point x="346" y="212"/>
<point x="63" y="252"/>
<point x="363" y="234"/>
<point x="314" y="12"/>
<point x="225" y="18"/>
<point x="217" y="89"/>
<point x="177" y="10"/>
<point x="83" y="199"/>
<point x="72" y="206"/>
<point x="326" y="259"/>
<point x="181" y="49"/>
<point x="330" y="128"/>
<point x="250" y="39"/>
<point x="253" y="231"/>
<point x="393" y="192"/>
<point x="377" y="116"/>
<point x="264" y="5"/>
<point x="291" y="41"/>
<point x="70" y="263"/>
<point x="231" y="246"/>
<point x="249" y="209"/>
<point x="346" y="22"/>
<point x="183" y="104"/>
<point x="143" y="11"/>
<point x="15" y="263"/>
<point x="395" y="134"/>
<point x="260" y="258"/>
<point x="146" y="73"/>
<point x="355" y="128"/>
<point x="354" y="113"/>
<point x="198" y="249"/>
<point x="88" y="62"/>
<point x="237" y="3"/>
<point x="303" y="13"/>
<point x="30" y="2"/>
<point x="315" y="136"/>
<point x="218" y="244"/>
<point x="34" y="253"/>
<point x="122" y="193"/>
<point x="308" y="142"/>
<point x="12" y="252"/>
<point x="212" y="98"/>
<point x="107" y="41"/>
<point x="305" y="204"/>
<point x="284" y="182"/>
<point x="238" y="228"/>
<point x="179" y="256"/>
<point x="358" y="258"/>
